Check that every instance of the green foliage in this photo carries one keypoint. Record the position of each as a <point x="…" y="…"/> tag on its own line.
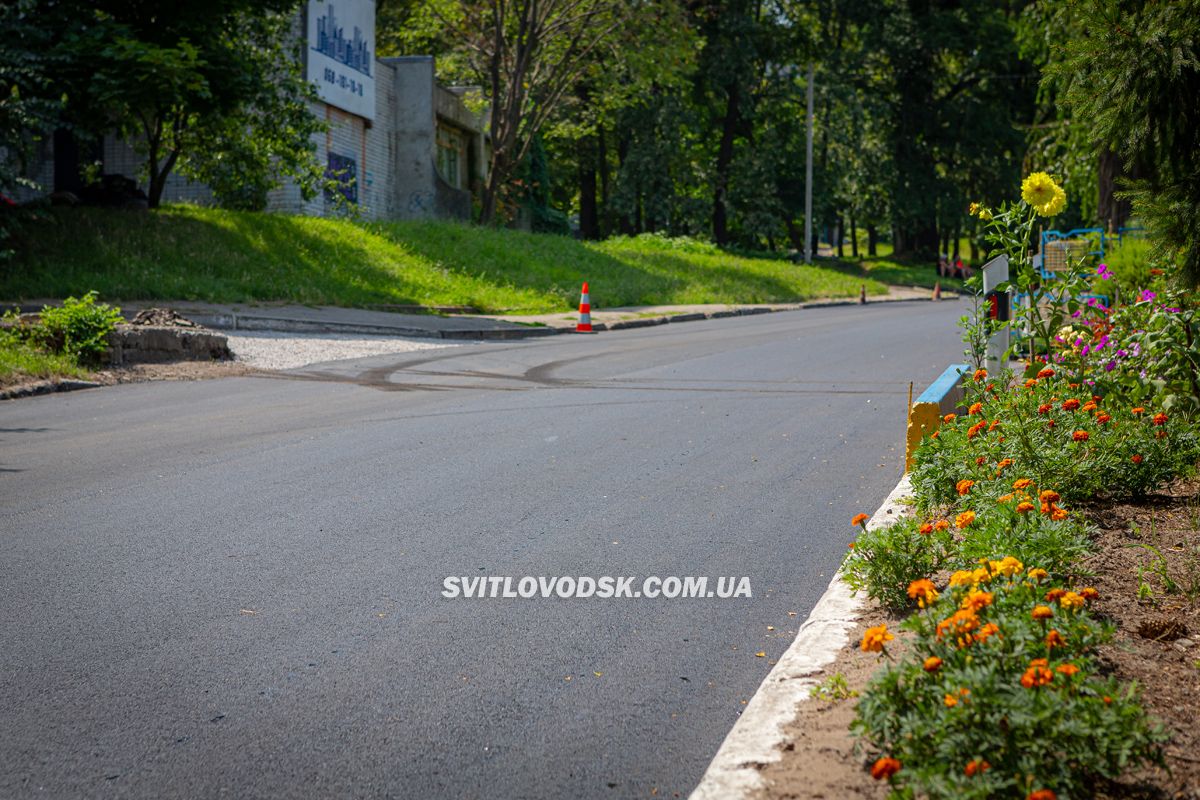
<point x="833" y="689"/>
<point x="885" y="560"/>
<point x="238" y="257"/>
<point x="1052" y="724"/>
<point x="78" y="328"/>
<point x="21" y="361"/>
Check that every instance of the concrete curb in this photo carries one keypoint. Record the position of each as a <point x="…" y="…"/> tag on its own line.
<point x="46" y="387"/>
<point x="758" y="735"/>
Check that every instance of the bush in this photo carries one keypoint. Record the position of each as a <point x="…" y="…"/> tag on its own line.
<point x="993" y="700"/>
<point x="79" y="328"/>
<point x="1058" y="435"/>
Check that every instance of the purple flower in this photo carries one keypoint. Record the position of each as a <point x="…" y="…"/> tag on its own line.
<point x="1090" y="382"/>
<point x="1104" y="272"/>
<point x="1147" y="295"/>
<point x="1085" y="349"/>
<point x="1076" y="315"/>
<point x="1110" y="366"/>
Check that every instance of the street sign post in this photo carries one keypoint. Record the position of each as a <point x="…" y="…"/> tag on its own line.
<point x="997" y="305"/>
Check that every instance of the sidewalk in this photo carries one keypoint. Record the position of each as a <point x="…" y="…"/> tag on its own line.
<point x="292" y="318"/>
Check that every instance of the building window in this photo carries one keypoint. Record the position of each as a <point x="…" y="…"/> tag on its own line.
<point x="343" y="170"/>
<point x="449" y="156"/>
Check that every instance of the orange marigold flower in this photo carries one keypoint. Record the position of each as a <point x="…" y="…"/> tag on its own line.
<point x="859" y="519"/>
<point x="1160" y="434"/>
<point x="1029" y="384"/>
<point x="1136" y="459"/>
<point x="980" y="461"/>
<point x="925" y="529"/>
<point x="1022" y="483"/>
<point x="1072" y="385"/>
<point x="886" y="767"/>
<point x="941" y="525"/>
<point x="1025" y="507"/>
<point x="1054" y="594"/>
<point x="1071" y="601"/>
<point x="1039" y="662"/>
<point x="1156" y="272"/>
<point x="1159" y="419"/>
<point x="1046" y="373"/>
<point x="976" y="408"/>
<point x="950" y="418"/>
<point x="1051" y="423"/>
<point x="995" y="424"/>
<point x="874" y="639"/>
<point x="1090" y="405"/>
<point x="923" y="592"/>
<point x="1055" y="639"/>
<point x="1107" y="700"/>
<point x="1137" y="410"/>
<point x="959" y="623"/>
<point x="1058" y="514"/>
<point x="1049" y="496"/>
<point x="1102" y="418"/>
<point x="1070" y="404"/>
<point x="986" y="631"/>
<point x="975" y="600"/>
<point x="1079" y="436"/>
<point x="980" y="375"/>
<point x="1042" y="612"/>
<point x="932" y="664"/>
<point x="950" y="700"/>
<point x="1037" y="573"/>
<point x="964" y="519"/>
<point x="976" y="767"/>
<point x="1067" y="669"/>
<point x="964" y="486"/>
<point x="1044" y="408"/>
<point x="1036" y="676"/>
<point x="1089" y="593"/>
<point x="1096" y="398"/>
<point x="974" y="430"/>
<point x="1042" y="794"/>
<point x="1004" y="462"/>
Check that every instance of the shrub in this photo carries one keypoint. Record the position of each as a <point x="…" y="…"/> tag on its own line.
<point x="884" y="561"/>
<point x="998" y="695"/>
<point x="79" y="328"/>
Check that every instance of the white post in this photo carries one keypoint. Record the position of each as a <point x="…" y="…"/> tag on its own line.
<point x="995" y="272"/>
<point x="808" y="254"/>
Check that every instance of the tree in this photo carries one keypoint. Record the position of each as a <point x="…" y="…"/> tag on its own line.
<point x="213" y="88"/>
<point x="1134" y="74"/>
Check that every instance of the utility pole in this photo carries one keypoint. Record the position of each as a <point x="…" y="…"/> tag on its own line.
<point x="808" y="254"/>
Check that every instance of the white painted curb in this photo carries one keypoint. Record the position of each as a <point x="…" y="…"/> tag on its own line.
<point x="757" y="737"/>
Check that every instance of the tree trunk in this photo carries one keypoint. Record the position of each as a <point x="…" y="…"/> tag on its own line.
<point x="1113" y="213"/>
<point x="841" y="249"/>
<point x="872" y="241"/>
<point x="589" y="218"/>
<point x="853" y="237"/>
<point x="795" y="236"/>
<point x="720" y="220"/>
<point x="605" y="224"/>
<point x="956" y="238"/>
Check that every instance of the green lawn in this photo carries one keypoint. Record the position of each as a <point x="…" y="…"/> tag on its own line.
<point x="20" y="363"/>
<point x="191" y="253"/>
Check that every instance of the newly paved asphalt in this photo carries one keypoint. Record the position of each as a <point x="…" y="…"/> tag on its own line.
<point x="232" y="588"/>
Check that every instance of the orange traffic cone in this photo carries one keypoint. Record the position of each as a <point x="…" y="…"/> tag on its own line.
<point x="585" y="312"/>
<point x="937" y="290"/>
<point x="862" y="295"/>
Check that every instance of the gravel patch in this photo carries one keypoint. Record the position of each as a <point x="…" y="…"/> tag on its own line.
<point x="275" y="350"/>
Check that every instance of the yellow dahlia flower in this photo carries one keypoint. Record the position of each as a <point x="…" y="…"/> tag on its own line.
<point x="1040" y="191"/>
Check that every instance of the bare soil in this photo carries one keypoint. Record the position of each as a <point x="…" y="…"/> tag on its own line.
<point x="134" y="373"/>
<point x="1157" y="644"/>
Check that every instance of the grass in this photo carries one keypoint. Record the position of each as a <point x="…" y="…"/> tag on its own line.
<point x="202" y="254"/>
<point x="895" y="272"/>
<point x="20" y="363"/>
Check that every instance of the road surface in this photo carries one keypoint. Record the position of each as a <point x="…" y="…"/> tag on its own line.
<point x="233" y="588"/>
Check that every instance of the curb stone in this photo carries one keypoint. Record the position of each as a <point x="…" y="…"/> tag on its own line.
<point x="46" y="387"/>
<point x="756" y="738"/>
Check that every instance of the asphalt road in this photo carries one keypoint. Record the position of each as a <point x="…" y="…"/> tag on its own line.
<point x="232" y="588"/>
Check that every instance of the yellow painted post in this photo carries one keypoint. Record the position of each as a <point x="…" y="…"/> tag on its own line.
<point x="923" y="419"/>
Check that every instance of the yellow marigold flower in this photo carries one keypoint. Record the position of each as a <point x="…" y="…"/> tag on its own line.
<point x="1054" y="594"/>
<point x="1006" y="566"/>
<point x="1022" y="483"/>
<point x="932" y="664"/>
<point x="1040" y="191"/>
<point x="1037" y="573"/>
<point x="973" y="209"/>
<point x="923" y="592"/>
<point x="875" y="638"/>
<point x="1089" y="593"/>
<point x="961" y="578"/>
<point x="984" y="214"/>
<point x="1071" y="600"/>
<point x="964" y="519"/>
<point x="964" y="486"/>
<point x="950" y="700"/>
<point x="981" y="575"/>
<point x="1042" y="612"/>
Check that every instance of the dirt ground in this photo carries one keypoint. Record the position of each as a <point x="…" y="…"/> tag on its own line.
<point x="138" y="373"/>
<point x="1147" y="569"/>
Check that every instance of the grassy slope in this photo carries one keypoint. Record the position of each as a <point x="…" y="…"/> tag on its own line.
<point x="20" y="363"/>
<point x="191" y="253"/>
